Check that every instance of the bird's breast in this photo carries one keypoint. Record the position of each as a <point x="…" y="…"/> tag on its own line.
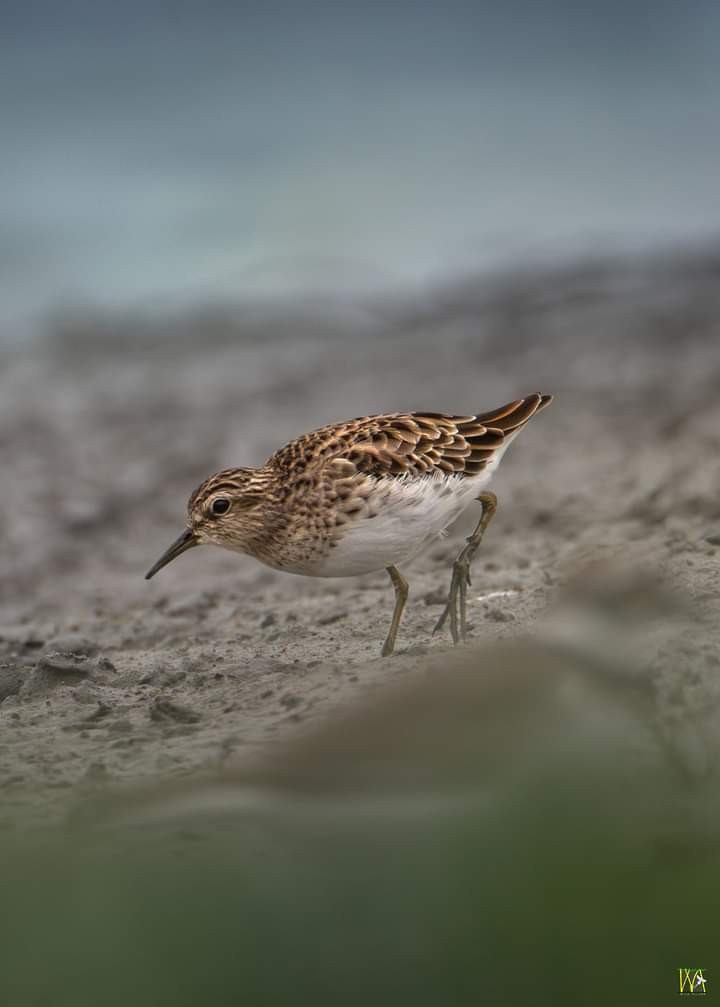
<point x="399" y="519"/>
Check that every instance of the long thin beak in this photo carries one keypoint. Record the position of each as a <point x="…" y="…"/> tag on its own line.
<point x="186" y="541"/>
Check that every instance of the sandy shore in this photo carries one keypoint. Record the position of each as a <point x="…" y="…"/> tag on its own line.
<point x="107" y="426"/>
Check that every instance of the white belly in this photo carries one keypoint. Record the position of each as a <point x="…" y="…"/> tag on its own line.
<point x="414" y="513"/>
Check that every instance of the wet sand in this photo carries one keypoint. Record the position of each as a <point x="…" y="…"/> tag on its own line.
<point x="106" y="427"/>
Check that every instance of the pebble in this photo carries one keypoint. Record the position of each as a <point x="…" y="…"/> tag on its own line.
<point x="71" y="643"/>
<point x="66" y="667"/>
<point x="70" y="665"/>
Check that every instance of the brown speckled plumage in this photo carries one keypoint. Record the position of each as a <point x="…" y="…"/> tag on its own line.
<point x="317" y="497"/>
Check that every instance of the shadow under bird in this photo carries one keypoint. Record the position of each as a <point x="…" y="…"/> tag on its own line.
<point x="362" y="495"/>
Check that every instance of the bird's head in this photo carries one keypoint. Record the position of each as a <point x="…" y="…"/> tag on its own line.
<point x="225" y="510"/>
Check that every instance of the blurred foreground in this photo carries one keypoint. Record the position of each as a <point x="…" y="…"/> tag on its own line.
<point x="524" y="821"/>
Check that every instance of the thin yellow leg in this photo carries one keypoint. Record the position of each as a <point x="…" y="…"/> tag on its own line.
<point x="457" y="597"/>
<point x="401" y="596"/>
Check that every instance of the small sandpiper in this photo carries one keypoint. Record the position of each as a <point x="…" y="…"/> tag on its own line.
<point x="363" y="495"/>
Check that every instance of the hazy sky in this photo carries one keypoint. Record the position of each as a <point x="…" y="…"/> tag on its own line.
<point x="162" y="152"/>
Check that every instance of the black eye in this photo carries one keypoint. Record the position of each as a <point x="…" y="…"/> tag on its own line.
<point x="220" y="506"/>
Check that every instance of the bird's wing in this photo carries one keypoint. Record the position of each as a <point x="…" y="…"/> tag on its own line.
<point x="396" y="444"/>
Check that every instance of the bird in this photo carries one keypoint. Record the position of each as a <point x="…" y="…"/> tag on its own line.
<point x="360" y="496"/>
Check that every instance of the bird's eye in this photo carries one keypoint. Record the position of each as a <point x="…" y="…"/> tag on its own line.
<point x="221" y="505"/>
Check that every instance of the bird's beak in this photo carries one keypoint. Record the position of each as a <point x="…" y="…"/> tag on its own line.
<point x="186" y="541"/>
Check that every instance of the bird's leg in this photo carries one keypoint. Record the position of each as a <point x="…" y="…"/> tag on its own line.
<point x="457" y="597"/>
<point x="401" y="595"/>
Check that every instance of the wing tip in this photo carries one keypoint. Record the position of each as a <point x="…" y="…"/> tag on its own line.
<point x="515" y="414"/>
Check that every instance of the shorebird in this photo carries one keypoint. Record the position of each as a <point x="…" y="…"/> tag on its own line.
<point x="362" y="495"/>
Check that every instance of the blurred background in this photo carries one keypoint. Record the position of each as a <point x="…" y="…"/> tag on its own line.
<point x="161" y="154"/>
<point x="222" y="225"/>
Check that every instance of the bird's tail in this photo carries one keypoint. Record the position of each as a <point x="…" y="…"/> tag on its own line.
<point x="514" y="415"/>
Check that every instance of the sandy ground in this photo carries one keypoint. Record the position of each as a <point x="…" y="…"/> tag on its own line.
<point x="107" y="426"/>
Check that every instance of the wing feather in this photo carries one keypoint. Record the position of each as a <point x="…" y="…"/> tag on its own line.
<point x="399" y="444"/>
